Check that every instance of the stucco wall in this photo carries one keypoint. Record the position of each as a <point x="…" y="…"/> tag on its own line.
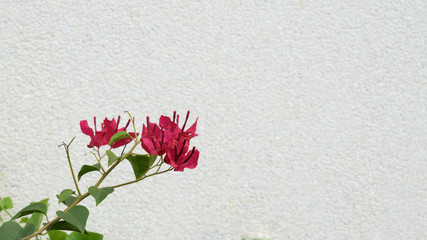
<point x="312" y="114"/>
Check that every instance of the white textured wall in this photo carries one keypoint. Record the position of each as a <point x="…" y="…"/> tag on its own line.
<point x="313" y="117"/>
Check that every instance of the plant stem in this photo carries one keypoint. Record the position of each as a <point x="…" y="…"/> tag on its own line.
<point x="133" y="122"/>
<point x="117" y="163"/>
<point x="99" y="161"/>
<point x="141" y="178"/>
<point x="7" y="212"/>
<point x="67" y="149"/>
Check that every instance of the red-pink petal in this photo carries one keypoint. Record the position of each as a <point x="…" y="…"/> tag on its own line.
<point x="165" y="122"/>
<point x="193" y="161"/>
<point x="193" y="127"/>
<point x="84" y="126"/>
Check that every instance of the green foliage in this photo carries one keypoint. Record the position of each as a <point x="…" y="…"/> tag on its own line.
<point x="88" y="168"/>
<point x="63" y="225"/>
<point x="64" y="195"/>
<point x="57" y="235"/>
<point x="60" y="235"/>
<point x="88" y="236"/>
<point x="111" y="157"/>
<point x="140" y="164"/>
<point x="76" y="215"/>
<point x="36" y="218"/>
<point x="152" y="159"/>
<point x="6" y="203"/>
<point x="24" y="220"/>
<point x="100" y="193"/>
<point x="70" y="200"/>
<point x="118" y="136"/>
<point x="13" y="231"/>
<point x="10" y="230"/>
<point x="38" y="207"/>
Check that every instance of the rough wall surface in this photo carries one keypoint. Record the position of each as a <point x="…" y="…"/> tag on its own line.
<point x="313" y="117"/>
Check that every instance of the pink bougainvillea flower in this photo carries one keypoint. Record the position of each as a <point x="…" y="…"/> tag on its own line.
<point x="153" y="139"/>
<point x="157" y="139"/>
<point x="108" y="129"/>
<point x="174" y="129"/>
<point x="96" y="138"/>
<point x="112" y="127"/>
<point x="182" y="158"/>
<point x="168" y="138"/>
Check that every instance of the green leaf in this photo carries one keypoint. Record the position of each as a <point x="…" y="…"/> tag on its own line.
<point x="27" y="230"/>
<point x="111" y="157"/>
<point x="10" y="230"/>
<point x="100" y="193"/>
<point x="32" y="208"/>
<point x="13" y="231"/>
<point x="88" y="168"/>
<point x="140" y="164"/>
<point x="63" y="225"/>
<point x="57" y="235"/>
<point x="37" y="218"/>
<point x="64" y="195"/>
<point x="76" y="215"/>
<point x="6" y="203"/>
<point x="79" y="236"/>
<point x="152" y="159"/>
<point x="118" y="136"/>
<point x="24" y="220"/>
<point x="70" y="200"/>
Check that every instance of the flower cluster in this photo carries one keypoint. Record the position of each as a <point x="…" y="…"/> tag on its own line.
<point x="108" y="129"/>
<point x="166" y="139"/>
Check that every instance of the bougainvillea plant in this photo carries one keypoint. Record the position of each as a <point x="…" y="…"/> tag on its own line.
<point x="167" y="147"/>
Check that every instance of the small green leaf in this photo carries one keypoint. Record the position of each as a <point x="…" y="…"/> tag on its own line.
<point x="64" y="195"/>
<point x="111" y="157"/>
<point x="32" y="208"/>
<point x="88" y="168"/>
<point x="76" y="215"/>
<point x="89" y="236"/>
<point x="118" y="136"/>
<point x="13" y="231"/>
<point x="100" y="193"/>
<point x="57" y="235"/>
<point x="152" y="159"/>
<point x="6" y="203"/>
<point x="24" y="220"/>
<point x="70" y="200"/>
<point x="140" y="164"/>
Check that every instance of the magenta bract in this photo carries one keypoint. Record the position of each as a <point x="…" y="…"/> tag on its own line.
<point x="108" y="129"/>
<point x="168" y="138"/>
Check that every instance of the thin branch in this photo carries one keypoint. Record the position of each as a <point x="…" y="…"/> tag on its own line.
<point x="133" y="123"/>
<point x="116" y="163"/>
<point x="99" y="162"/>
<point x="142" y="178"/>
<point x="67" y="150"/>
